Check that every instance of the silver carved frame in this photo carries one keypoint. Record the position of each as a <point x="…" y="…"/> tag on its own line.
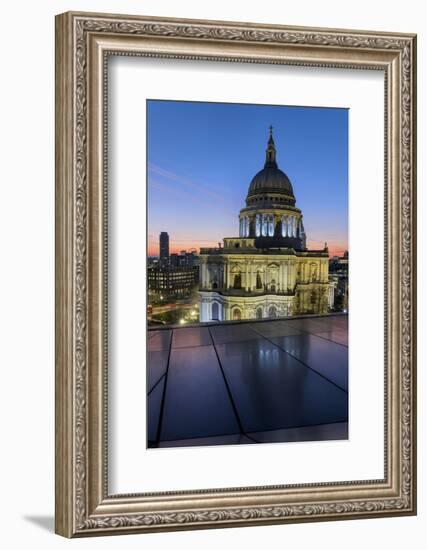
<point x="83" y="43"/>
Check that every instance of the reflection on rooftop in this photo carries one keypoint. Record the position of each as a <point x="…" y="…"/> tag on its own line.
<point x="248" y="382"/>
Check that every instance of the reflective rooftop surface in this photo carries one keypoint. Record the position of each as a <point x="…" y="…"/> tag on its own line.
<point x="248" y="382"/>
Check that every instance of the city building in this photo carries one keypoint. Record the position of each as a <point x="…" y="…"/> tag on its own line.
<point x="338" y="274"/>
<point x="164" y="249"/>
<point x="267" y="271"/>
<point x="174" y="275"/>
<point x="171" y="282"/>
<point x="185" y="259"/>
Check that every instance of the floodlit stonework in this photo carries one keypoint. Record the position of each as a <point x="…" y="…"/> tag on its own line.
<point x="267" y="271"/>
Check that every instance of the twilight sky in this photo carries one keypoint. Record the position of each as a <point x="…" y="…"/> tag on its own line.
<point x="202" y="157"/>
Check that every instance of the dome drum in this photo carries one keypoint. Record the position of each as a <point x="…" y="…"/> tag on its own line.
<point x="270" y="215"/>
<point x="283" y="229"/>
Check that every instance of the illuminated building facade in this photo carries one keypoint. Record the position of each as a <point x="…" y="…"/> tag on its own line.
<point x="171" y="282"/>
<point x="267" y="271"/>
<point x="338" y="273"/>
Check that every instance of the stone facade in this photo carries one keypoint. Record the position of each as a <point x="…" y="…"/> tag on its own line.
<point x="267" y="271"/>
<point x="250" y="284"/>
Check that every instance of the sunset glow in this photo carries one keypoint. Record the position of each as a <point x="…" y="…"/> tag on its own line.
<point x="202" y="157"/>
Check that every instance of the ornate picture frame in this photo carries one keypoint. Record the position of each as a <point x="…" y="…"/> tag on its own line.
<point x="84" y="506"/>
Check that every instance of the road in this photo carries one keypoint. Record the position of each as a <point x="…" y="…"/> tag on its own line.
<point x="170" y="307"/>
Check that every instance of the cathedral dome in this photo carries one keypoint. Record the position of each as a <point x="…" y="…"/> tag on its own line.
<point x="270" y="179"/>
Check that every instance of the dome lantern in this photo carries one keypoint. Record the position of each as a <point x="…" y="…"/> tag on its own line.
<point x="271" y="179"/>
<point x="270" y="153"/>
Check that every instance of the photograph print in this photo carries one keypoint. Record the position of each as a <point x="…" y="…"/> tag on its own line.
<point x="247" y="274"/>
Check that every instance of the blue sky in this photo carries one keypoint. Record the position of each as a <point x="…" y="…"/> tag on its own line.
<point x="202" y="157"/>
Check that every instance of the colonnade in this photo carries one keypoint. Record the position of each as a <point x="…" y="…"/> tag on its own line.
<point x="284" y="272"/>
<point x="265" y="224"/>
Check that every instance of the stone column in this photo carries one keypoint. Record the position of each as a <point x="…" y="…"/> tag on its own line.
<point x="224" y="275"/>
<point x="203" y="275"/>
<point x="287" y="275"/>
<point x="282" y="276"/>
<point x="207" y="276"/>
<point x="249" y="270"/>
<point x="291" y="273"/>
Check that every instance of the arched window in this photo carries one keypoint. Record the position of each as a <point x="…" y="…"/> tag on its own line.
<point x="272" y="311"/>
<point x="264" y="229"/>
<point x="270" y="225"/>
<point x="215" y="311"/>
<point x="237" y="280"/>
<point x="237" y="314"/>
<point x="258" y="280"/>
<point x="259" y="313"/>
<point x="258" y="225"/>
<point x="273" y="286"/>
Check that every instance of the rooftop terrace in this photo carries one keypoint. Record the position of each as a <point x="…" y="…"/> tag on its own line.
<point x="248" y="382"/>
